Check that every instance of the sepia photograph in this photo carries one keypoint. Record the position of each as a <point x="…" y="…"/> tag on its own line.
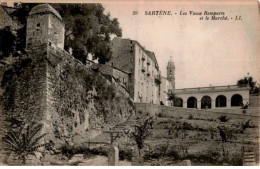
<point x="129" y="82"/>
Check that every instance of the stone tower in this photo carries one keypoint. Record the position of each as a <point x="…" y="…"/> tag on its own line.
<point x="171" y="73"/>
<point x="44" y="26"/>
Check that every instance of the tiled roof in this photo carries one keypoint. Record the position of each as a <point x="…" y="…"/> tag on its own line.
<point x="44" y="8"/>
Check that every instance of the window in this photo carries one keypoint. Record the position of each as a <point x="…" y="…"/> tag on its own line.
<point x="38" y="25"/>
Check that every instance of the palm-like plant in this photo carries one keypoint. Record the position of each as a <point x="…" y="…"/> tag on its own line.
<point x="24" y="142"/>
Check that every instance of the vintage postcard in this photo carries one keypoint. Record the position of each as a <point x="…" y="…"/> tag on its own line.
<point x="129" y="83"/>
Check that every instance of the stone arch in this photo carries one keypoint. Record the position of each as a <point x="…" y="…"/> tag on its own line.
<point x="178" y="102"/>
<point x="221" y="101"/>
<point x="236" y="100"/>
<point x="206" y="102"/>
<point x="192" y="102"/>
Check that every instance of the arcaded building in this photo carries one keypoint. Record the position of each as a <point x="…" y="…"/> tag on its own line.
<point x="213" y="97"/>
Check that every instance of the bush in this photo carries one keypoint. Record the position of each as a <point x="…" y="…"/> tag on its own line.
<point x="190" y="117"/>
<point x="160" y="115"/>
<point x="69" y="151"/>
<point x="125" y="154"/>
<point x="160" y="151"/>
<point x="236" y="160"/>
<point x="223" y="118"/>
<point x="173" y="153"/>
<point x="210" y="157"/>
<point x="187" y="126"/>
<point x="98" y="151"/>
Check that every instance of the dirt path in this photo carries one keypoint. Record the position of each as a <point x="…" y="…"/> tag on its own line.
<point x="100" y="161"/>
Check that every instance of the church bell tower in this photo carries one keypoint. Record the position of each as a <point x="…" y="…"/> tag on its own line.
<point x="171" y="73"/>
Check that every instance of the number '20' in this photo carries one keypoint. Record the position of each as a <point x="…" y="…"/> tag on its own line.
<point x="135" y="12"/>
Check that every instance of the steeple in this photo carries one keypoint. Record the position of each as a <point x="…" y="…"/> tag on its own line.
<point x="171" y="72"/>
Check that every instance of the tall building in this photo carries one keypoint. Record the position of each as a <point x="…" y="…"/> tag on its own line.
<point x="130" y="56"/>
<point x="167" y="83"/>
<point x="171" y="73"/>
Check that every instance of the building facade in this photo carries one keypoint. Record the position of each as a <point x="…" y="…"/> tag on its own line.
<point x="130" y="56"/>
<point x="213" y="97"/>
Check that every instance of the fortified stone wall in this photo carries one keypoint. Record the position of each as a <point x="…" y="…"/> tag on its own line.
<point x="51" y="87"/>
<point x="85" y="99"/>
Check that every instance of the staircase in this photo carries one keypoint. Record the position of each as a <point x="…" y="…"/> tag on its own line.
<point x="118" y="129"/>
<point x="122" y="127"/>
<point x="249" y="156"/>
<point x="250" y="148"/>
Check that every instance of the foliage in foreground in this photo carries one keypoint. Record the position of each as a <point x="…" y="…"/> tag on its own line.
<point x="24" y="142"/>
<point x="141" y="132"/>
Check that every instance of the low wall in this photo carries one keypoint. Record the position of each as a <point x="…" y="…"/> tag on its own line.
<point x="169" y="111"/>
<point x="254" y="101"/>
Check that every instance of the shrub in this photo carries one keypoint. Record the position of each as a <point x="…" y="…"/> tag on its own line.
<point x="98" y="151"/>
<point x="173" y="153"/>
<point x="69" y="151"/>
<point x="190" y="117"/>
<point x="187" y="126"/>
<point x="210" y="157"/>
<point x="236" y="159"/>
<point x="125" y="154"/>
<point x="160" y="115"/>
<point x="223" y="118"/>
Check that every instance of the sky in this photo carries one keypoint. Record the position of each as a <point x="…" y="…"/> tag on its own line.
<point x="205" y="52"/>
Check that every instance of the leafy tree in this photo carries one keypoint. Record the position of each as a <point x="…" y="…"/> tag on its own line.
<point x="249" y="80"/>
<point x="24" y="142"/>
<point x="141" y="132"/>
<point x="171" y="96"/>
<point x="223" y="118"/>
<point x="206" y="102"/>
<point x="88" y="29"/>
<point x="7" y="42"/>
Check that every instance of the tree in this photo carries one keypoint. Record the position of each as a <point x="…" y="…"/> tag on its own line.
<point x="88" y="29"/>
<point x="206" y="102"/>
<point x="171" y="96"/>
<point x="141" y="132"/>
<point x="24" y="142"/>
<point x="252" y="84"/>
<point x="7" y="42"/>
